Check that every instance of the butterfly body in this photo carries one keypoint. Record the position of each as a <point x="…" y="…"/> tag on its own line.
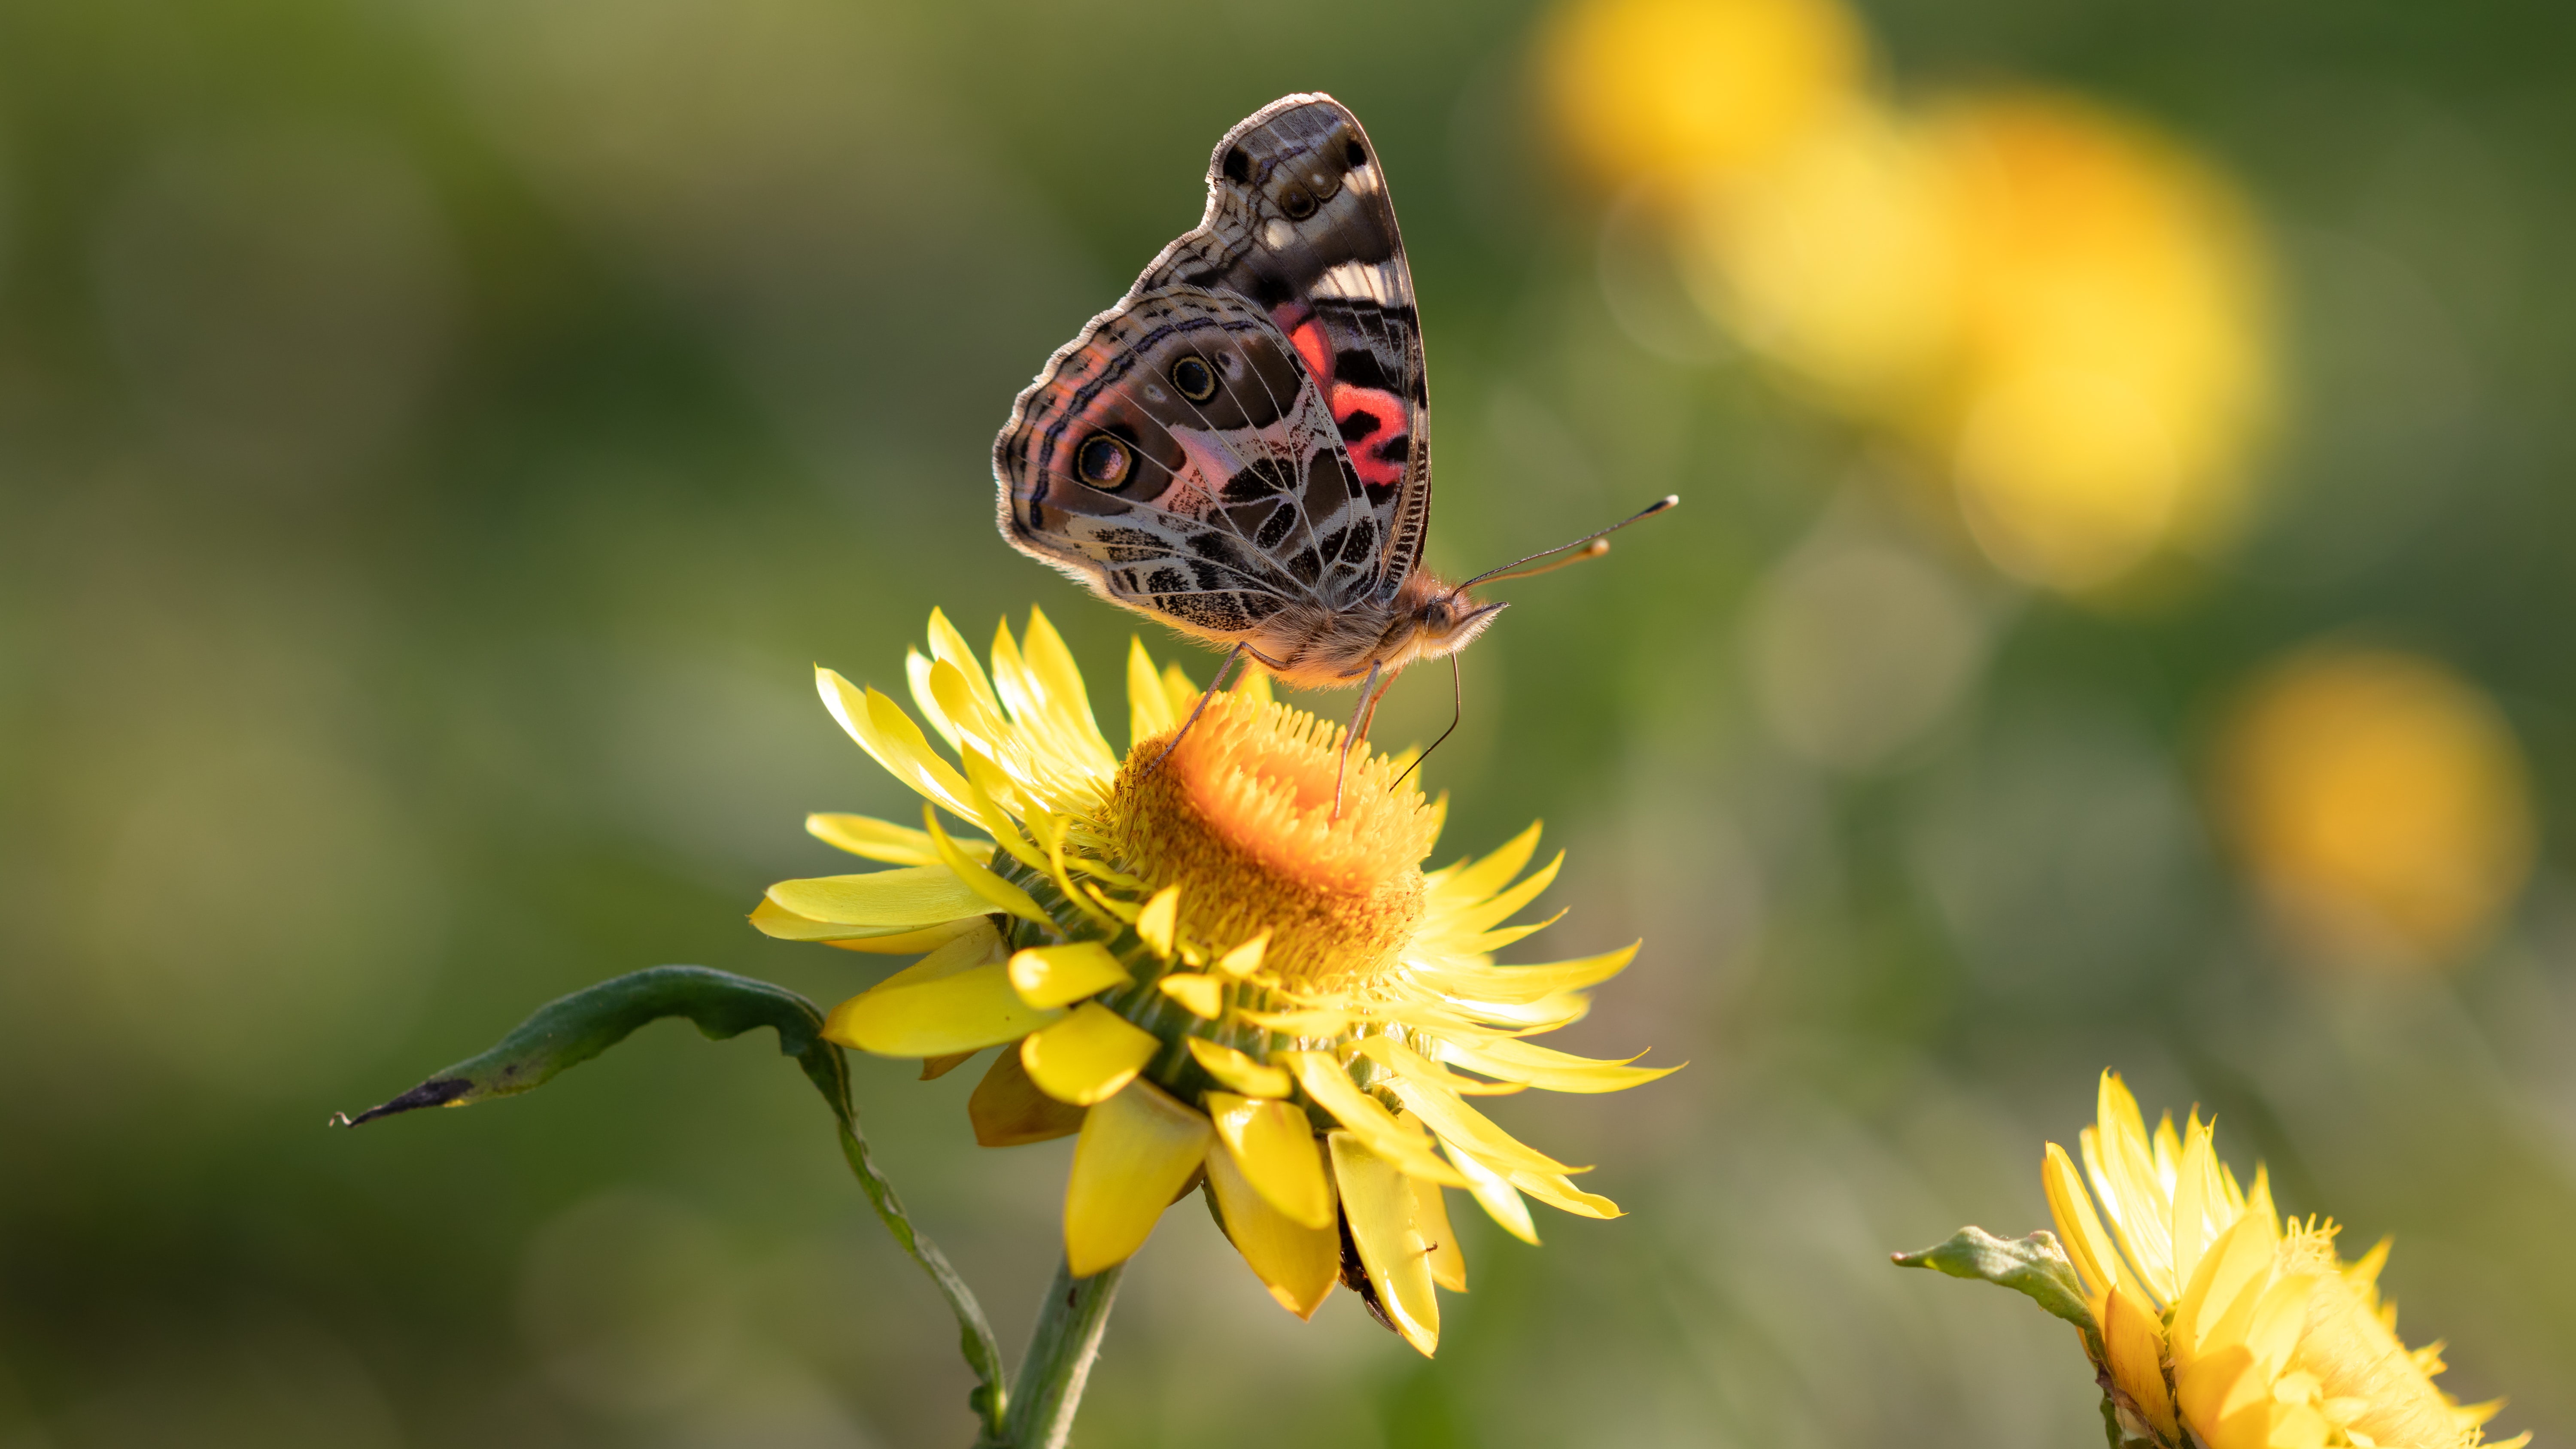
<point x="1239" y="447"/>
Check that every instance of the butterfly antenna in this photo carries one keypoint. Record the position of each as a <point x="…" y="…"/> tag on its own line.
<point x="1457" y="712"/>
<point x="1592" y="545"/>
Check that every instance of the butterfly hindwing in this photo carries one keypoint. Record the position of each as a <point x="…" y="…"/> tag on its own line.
<point x="1299" y="220"/>
<point x="1180" y="457"/>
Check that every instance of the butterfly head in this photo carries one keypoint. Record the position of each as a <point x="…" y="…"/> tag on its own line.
<point x="1443" y="619"/>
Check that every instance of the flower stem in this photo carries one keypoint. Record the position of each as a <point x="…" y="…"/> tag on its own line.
<point x="1061" y="1347"/>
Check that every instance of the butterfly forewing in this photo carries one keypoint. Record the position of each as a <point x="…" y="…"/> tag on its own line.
<point x="1239" y="445"/>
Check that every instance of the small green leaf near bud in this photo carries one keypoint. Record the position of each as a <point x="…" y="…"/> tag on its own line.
<point x="2035" y="1267"/>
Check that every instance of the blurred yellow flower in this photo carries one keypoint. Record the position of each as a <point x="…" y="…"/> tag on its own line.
<point x="1836" y="258"/>
<point x="1193" y="964"/>
<point x="2381" y="804"/>
<point x="1662" y="89"/>
<point x="2221" y="1326"/>
<point x="2113" y="362"/>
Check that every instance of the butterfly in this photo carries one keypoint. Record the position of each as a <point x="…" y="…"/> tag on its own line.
<point x="1240" y="447"/>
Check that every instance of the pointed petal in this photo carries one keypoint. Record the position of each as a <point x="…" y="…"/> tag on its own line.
<point x="1486" y="915"/>
<point x="891" y="739"/>
<point x="2240" y="1260"/>
<point x="1475" y="882"/>
<point x="1087" y="1057"/>
<point x="861" y="938"/>
<point x="1448" y="1263"/>
<point x="1136" y="1153"/>
<point x="1500" y="1200"/>
<point x="1548" y="1069"/>
<point x="1009" y="1110"/>
<point x="1377" y="1202"/>
<point x="1520" y="985"/>
<point x="917" y="669"/>
<point x="1245" y="959"/>
<point x="1297" y="1263"/>
<point x="905" y="898"/>
<point x="933" y="1068"/>
<point x="1562" y="1195"/>
<point x="1457" y="1122"/>
<point x="1149" y="710"/>
<point x="1238" y="1072"/>
<point x="998" y="893"/>
<point x="865" y="835"/>
<point x="1397" y="1057"/>
<point x="1068" y="702"/>
<point x="950" y="647"/>
<point x="2096" y="1257"/>
<point x="1404" y="1144"/>
<point x="1063" y="975"/>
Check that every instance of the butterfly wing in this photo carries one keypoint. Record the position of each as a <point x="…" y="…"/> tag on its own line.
<point x="1179" y="458"/>
<point x="1299" y="220"/>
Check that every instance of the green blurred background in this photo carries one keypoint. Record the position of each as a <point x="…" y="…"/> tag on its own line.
<point x="437" y="439"/>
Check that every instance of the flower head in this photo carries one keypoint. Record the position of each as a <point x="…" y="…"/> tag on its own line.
<point x="1195" y="964"/>
<point x="2222" y="1326"/>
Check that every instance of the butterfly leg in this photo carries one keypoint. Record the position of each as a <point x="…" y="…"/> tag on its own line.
<point x="1232" y="656"/>
<point x="1360" y="718"/>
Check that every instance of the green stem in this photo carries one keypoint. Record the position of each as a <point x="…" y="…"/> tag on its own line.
<point x="1061" y="1347"/>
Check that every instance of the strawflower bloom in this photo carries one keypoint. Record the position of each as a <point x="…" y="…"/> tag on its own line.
<point x="2222" y="1326"/>
<point x="1194" y="964"/>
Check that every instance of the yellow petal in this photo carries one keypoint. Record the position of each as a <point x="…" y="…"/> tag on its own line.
<point x="1062" y="975"/>
<point x="1520" y="985"/>
<point x="1297" y="1263"/>
<point x="1009" y="1110"/>
<point x="1238" y="1072"/>
<point x="1489" y="914"/>
<point x="865" y="835"/>
<point x="1457" y="1122"/>
<point x="1202" y="994"/>
<point x="1273" y="1145"/>
<point x="1562" y="1195"/>
<point x="1088" y="1056"/>
<point x="950" y="647"/>
<point x="901" y="943"/>
<point x="998" y="893"/>
<point x="1377" y="1202"/>
<point x="1066" y="701"/>
<point x="1475" y="882"/>
<point x="958" y="999"/>
<point x="2239" y="1261"/>
<point x="1404" y="1144"/>
<point x="1396" y="1056"/>
<point x="1318" y="1022"/>
<point x="1149" y="710"/>
<point x="1155" y="923"/>
<point x="1500" y="1200"/>
<point x="2134" y="1340"/>
<point x="1137" y="1151"/>
<point x="1245" y="959"/>
<point x="1177" y="688"/>
<point x="1447" y="1262"/>
<point x="891" y="739"/>
<point x="903" y="899"/>
<point x="2198" y="1199"/>
<point x="933" y="1068"/>
<point x="2096" y="1257"/>
<point x="1547" y="1069"/>
<point x="2215" y="1387"/>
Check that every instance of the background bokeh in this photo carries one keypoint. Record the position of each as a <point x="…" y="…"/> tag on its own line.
<point x="2117" y="619"/>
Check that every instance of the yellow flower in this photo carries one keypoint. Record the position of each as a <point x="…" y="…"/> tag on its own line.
<point x="1195" y="965"/>
<point x="2220" y="1322"/>
<point x="2382" y="805"/>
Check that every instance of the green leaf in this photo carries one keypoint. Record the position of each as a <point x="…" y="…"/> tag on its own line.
<point x="2034" y="1267"/>
<point x="563" y="1034"/>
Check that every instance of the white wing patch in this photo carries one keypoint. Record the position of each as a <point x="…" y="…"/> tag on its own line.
<point x="1380" y="282"/>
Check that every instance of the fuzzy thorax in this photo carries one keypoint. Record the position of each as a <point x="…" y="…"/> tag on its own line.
<point x="1240" y="817"/>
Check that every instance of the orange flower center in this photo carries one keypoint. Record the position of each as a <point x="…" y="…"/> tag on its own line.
<point x="1241" y="819"/>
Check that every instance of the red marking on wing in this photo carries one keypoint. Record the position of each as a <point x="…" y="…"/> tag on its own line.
<point x="1313" y="346"/>
<point x="1386" y="412"/>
